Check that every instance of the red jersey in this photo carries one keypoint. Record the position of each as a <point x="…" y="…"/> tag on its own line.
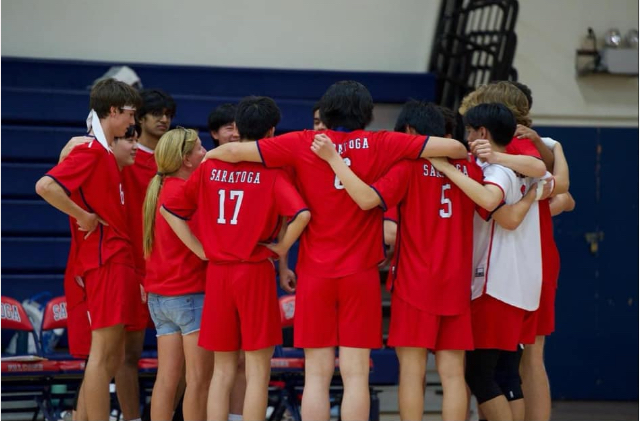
<point x="433" y="262"/>
<point x="550" y="255"/>
<point x="92" y="172"/>
<point x="136" y="180"/>
<point x="341" y="239"/>
<point x="522" y="147"/>
<point x="391" y="214"/>
<point x="239" y="205"/>
<point x="173" y="269"/>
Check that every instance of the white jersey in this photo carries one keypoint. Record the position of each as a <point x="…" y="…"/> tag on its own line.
<point x="508" y="264"/>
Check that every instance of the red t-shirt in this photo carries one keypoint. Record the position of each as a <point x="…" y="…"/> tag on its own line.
<point x="173" y="269"/>
<point x="433" y="262"/>
<point x="136" y="179"/>
<point x="391" y="214"/>
<point x="341" y="239"/>
<point x="550" y="255"/>
<point x="522" y="147"/>
<point x="239" y="205"/>
<point x="92" y="172"/>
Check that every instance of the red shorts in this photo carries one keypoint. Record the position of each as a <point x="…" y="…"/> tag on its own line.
<point x="547" y="311"/>
<point x="413" y="327"/>
<point x="240" y="308"/>
<point x="142" y="316"/>
<point x="344" y="311"/>
<point x="496" y="325"/>
<point x="544" y="323"/>
<point x="113" y="296"/>
<point x="78" y="330"/>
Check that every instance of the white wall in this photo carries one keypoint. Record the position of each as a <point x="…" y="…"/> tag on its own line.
<point x="549" y="32"/>
<point x="290" y="34"/>
<point x="376" y="35"/>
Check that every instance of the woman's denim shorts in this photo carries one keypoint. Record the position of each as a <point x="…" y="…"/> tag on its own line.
<point x="173" y="314"/>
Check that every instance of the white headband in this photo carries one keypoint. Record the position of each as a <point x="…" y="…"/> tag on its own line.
<point x="93" y="122"/>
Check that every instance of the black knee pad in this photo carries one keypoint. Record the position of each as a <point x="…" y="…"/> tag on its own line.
<point x="508" y="374"/>
<point x="480" y="374"/>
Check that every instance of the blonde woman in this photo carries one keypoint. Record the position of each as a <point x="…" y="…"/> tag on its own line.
<point x="175" y="282"/>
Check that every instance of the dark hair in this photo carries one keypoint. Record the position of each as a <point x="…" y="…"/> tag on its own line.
<point x="496" y="118"/>
<point x="112" y="93"/>
<point x="156" y="101"/>
<point x="315" y="108"/>
<point x="346" y="104"/>
<point x="221" y="116"/>
<point x="450" y="120"/>
<point x="525" y="90"/>
<point x="424" y="117"/>
<point x="255" y="116"/>
<point x="133" y="129"/>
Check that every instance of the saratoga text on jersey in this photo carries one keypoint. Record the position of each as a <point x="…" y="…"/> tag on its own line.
<point x="225" y="176"/>
<point x="353" y="144"/>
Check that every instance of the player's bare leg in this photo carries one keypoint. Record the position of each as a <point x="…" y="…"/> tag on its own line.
<point x="80" y="413"/>
<point x="535" y="383"/>
<point x="411" y="388"/>
<point x="236" y="402"/>
<point x="170" y="369"/>
<point x="199" y="364"/>
<point x="127" y="384"/>
<point x="258" y="372"/>
<point x="105" y="358"/>
<point x="354" y="370"/>
<point x="318" y="370"/>
<point x="226" y="367"/>
<point x="517" y="409"/>
<point x="450" y="365"/>
<point x="496" y="409"/>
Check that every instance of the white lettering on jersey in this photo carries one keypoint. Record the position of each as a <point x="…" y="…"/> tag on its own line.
<point x="121" y="194"/>
<point x="234" y="177"/>
<point x="430" y="171"/>
<point x="352" y="144"/>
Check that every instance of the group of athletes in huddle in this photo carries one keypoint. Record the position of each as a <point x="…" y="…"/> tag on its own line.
<point x="155" y="225"/>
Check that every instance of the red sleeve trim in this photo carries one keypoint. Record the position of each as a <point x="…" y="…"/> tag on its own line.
<point x="424" y="145"/>
<point x="383" y="204"/>
<point x="175" y="214"/>
<point x="58" y="182"/>
<point x="498" y="186"/>
<point x="298" y="213"/>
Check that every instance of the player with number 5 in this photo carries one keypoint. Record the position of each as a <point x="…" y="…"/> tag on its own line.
<point x="430" y="305"/>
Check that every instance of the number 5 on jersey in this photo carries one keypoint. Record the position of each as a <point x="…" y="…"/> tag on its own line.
<point x="445" y="210"/>
<point x="234" y="195"/>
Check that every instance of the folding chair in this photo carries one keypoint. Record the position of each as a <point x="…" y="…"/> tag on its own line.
<point x="28" y="376"/>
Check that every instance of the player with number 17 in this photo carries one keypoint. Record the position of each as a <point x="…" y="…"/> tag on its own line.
<point x="239" y="213"/>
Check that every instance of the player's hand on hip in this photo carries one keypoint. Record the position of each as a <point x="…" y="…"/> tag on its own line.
<point x="288" y="280"/>
<point x="324" y="147"/>
<point x="89" y="222"/>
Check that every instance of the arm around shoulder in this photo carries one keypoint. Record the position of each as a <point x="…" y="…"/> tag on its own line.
<point x="236" y="152"/>
<point x="442" y="146"/>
